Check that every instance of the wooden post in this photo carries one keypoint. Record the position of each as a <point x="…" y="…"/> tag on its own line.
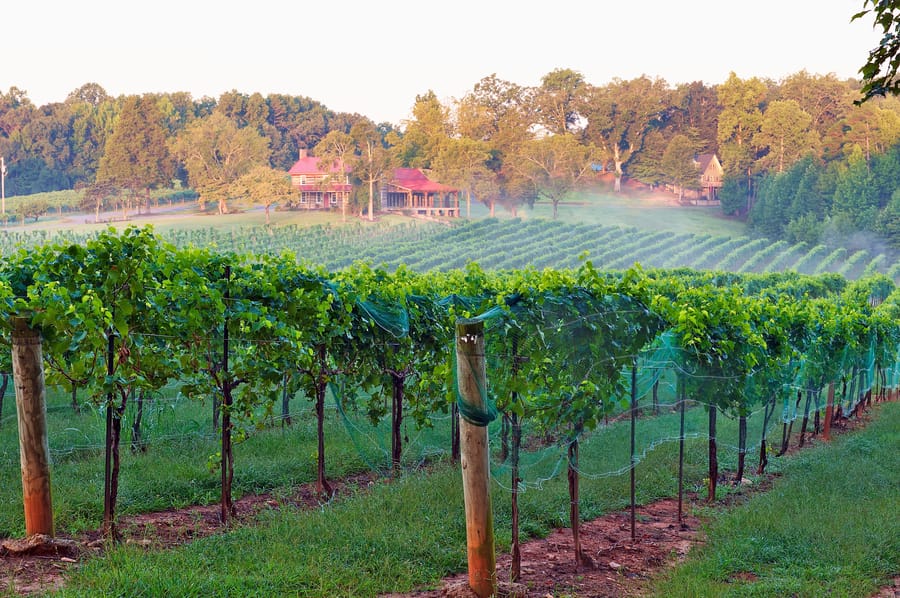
<point x="474" y="458"/>
<point x="31" y="408"/>
<point x="829" y="412"/>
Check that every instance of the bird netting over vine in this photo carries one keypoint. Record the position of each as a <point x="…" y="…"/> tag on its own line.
<point x="573" y="368"/>
<point x="586" y="372"/>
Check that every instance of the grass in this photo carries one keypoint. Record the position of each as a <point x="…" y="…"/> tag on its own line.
<point x="186" y="217"/>
<point x="350" y="548"/>
<point x="175" y="471"/>
<point x="829" y="527"/>
<point x="610" y="209"/>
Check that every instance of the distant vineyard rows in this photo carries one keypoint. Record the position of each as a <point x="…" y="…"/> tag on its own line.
<point x="514" y="244"/>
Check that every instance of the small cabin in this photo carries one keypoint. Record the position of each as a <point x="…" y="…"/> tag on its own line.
<point x="320" y="187"/>
<point x="412" y="193"/>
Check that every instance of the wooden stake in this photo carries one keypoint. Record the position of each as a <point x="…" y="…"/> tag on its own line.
<point x="474" y="458"/>
<point x="31" y="408"/>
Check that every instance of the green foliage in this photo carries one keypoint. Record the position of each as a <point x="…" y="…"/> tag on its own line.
<point x="880" y="69"/>
<point x="852" y="196"/>
<point x="136" y="155"/>
<point x="677" y="164"/>
<point x="215" y="153"/>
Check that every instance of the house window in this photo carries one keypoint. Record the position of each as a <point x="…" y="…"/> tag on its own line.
<point x="318" y="199"/>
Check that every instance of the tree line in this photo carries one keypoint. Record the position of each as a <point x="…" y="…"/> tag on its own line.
<point x="816" y="203"/>
<point x="502" y="143"/>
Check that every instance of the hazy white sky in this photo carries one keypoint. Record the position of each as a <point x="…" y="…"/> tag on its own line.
<point x="374" y="57"/>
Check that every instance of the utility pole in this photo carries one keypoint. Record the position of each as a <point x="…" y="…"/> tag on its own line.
<point x="2" y="186"/>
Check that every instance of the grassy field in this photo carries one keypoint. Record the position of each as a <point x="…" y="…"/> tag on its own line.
<point x="647" y="212"/>
<point x="601" y="207"/>
<point x="829" y="527"/>
<point x="349" y="548"/>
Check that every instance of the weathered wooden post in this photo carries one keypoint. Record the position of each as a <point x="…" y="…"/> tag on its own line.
<point x="829" y="412"/>
<point x="31" y="409"/>
<point x="474" y="457"/>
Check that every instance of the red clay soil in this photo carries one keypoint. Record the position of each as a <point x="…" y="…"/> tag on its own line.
<point x="621" y="567"/>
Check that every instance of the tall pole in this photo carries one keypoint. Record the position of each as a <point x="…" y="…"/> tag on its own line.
<point x="31" y="407"/>
<point x="633" y="458"/>
<point x="681" y="397"/>
<point x="227" y="466"/>
<point x="2" y="186"/>
<point x="474" y="458"/>
<point x="829" y="412"/>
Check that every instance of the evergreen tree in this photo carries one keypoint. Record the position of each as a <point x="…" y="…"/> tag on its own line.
<point x="136" y="156"/>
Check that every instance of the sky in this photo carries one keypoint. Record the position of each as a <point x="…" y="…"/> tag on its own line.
<point x="374" y="57"/>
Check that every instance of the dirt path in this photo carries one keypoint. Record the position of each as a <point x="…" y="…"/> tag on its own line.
<point x="620" y="566"/>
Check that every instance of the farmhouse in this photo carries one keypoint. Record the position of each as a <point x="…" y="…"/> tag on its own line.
<point x="319" y="187"/>
<point x="412" y="193"/>
<point x="711" y="174"/>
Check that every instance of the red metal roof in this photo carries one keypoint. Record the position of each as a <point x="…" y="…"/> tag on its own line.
<point x="310" y="165"/>
<point x="415" y="180"/>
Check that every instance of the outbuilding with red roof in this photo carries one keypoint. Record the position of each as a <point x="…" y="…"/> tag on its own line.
<point x="411" y="192"/>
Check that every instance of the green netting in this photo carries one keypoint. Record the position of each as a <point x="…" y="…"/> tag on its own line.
<point x="653" y="363"/>
<point x="481" y="410"/>
<point x="393" y="318"/>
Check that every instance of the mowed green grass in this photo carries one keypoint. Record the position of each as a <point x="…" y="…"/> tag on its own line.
<point x="351" y="548"/>
<point x="829" y="527"/>
<point x="395" y="536"/>
<point x="179" y="467"/>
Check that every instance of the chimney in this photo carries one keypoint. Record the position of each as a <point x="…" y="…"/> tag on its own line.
<point x="303" y="152"/>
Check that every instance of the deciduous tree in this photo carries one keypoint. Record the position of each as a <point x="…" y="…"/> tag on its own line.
<point x="679" y="166"/>
<point x="785" y="132"/>
<point x="497" y="113"/>
<point x="215" y="153"/>
<point x="373" y="161"/>
<point x="261" y="185"/>
<point x="463" y="161"/>
<point x="337" y="148"/>
<point x="557" y="99"/>
<point x="424" y="134"/>
<point x="739" y="121"/>
<point x="554" y="165"/>
<point x="618" y="116"/>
